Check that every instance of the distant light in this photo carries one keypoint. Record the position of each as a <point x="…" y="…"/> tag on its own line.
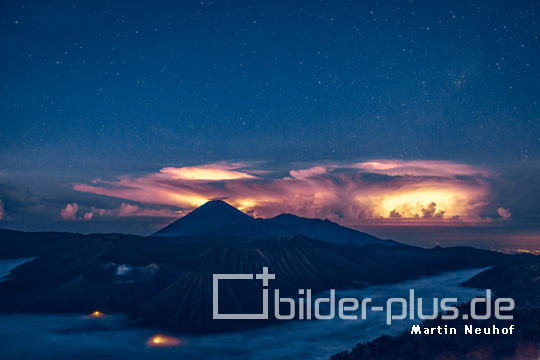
<point x="160" y="340"/>
<point x="96" y="314"/>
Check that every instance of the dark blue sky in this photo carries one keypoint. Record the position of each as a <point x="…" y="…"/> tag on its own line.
<point x="96" y="89"/>
<point x="135" y="83"/>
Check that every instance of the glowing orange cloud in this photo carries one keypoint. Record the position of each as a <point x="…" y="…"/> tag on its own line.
<point x="205" y="172"/>
<point x="347" y="193"/>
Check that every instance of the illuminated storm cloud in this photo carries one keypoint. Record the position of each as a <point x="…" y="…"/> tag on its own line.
<point x="385" y="189"/>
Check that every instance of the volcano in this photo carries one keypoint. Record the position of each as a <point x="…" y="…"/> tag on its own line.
<point x="205" y="220"/>
<point x="217" y="218"/>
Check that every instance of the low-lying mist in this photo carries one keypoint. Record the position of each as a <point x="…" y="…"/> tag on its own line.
<point x="24" y="336"/>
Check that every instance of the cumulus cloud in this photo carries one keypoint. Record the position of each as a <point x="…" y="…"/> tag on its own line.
<point x="389" y="189"/>
<point x="70" y="212"/>
<point x="130" y="210"/>
<point x="505" y="214"/>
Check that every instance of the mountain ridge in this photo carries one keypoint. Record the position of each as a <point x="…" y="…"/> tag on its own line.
<point x="216" y="218"/>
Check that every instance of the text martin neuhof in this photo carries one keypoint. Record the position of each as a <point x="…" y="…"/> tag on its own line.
<point x="351" y="308"/>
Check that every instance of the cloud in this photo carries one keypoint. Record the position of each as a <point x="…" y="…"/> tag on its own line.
<point x="346" y="192"/>
<point x="420" y="168"/>
<point x="70" y="212"/>
<point x="505" y="214"/>
<point x="130" y="210"/>
<point x="124" y="210"/>
<point x="220" y="171"/>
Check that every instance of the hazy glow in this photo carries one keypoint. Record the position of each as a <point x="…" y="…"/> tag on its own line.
<point x="152" y="190"/>
<point x="347" y="193"/>
<point x="422" y="203"/>
<point x="245" y="204"/>
<point x="160" y="340"/>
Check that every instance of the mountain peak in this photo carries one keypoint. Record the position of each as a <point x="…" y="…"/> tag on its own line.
<point x="217" y="206"/>
<point x="210" y="215"/>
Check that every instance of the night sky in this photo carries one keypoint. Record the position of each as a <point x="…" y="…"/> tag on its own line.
<point x="98" y="96"/>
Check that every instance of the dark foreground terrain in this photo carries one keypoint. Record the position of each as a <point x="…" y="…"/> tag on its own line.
<point x="523" y="343"/>
<point x="518" y="279"/>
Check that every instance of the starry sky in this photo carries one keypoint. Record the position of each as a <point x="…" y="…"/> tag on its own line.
<point x="97" y="94"/>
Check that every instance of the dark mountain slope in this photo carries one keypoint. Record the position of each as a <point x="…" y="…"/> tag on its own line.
<point x="22" y="244"/>
<point x="324" y="230"/>
<point x="518" y="279"/>
<point x="398" y="263"/>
